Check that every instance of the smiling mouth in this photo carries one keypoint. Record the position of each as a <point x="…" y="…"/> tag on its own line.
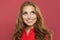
<point x="29" y="21"/>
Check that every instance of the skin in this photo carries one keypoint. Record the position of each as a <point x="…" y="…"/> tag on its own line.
<point x="29" y="17"/>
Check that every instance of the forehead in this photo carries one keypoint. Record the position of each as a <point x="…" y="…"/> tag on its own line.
<point x="29" y="8"/>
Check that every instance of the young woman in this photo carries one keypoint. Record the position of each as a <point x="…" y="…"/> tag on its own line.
<point x="29" y="25"/>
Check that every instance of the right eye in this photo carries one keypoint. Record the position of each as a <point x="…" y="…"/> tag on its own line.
<point x="24" y="13"/>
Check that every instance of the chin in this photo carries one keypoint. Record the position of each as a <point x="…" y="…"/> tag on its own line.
<point x="29" y="24"/>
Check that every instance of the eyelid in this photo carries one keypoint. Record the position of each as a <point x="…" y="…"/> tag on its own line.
<point x="33" y="11"/>
<point x="25" y="13"/>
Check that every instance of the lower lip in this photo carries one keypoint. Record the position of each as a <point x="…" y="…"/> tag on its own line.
<point x="30" y="21"/>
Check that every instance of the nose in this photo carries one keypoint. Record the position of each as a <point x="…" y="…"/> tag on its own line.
<point x="29" y="16"/>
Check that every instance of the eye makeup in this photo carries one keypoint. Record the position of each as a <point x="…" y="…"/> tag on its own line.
<point x="32" y="12"/>
<point x="25" y="13"/>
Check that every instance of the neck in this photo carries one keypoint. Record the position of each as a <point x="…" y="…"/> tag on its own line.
<point x="28" y="29"/>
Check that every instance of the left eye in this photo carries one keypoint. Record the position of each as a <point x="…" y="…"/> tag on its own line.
<point x="33" y="12"/>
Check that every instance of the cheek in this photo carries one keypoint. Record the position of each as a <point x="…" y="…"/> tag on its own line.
<point x="24" y="17"/>
<point x="34" y="16"/>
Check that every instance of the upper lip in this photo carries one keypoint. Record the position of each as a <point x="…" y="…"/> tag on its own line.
<point x="29" y="20"/>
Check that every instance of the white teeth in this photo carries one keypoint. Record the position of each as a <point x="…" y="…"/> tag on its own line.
<point x="29" y="20"/>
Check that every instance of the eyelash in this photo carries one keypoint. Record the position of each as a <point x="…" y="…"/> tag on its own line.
<point x="33" y="12"/>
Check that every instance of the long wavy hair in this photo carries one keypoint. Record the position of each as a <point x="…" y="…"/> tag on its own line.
<point x="39" y="28"/>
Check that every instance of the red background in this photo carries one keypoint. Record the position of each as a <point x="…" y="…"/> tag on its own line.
<point x="9" y="10"/>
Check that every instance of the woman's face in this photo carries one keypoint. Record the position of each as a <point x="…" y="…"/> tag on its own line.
<point x="29" y="15"/>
